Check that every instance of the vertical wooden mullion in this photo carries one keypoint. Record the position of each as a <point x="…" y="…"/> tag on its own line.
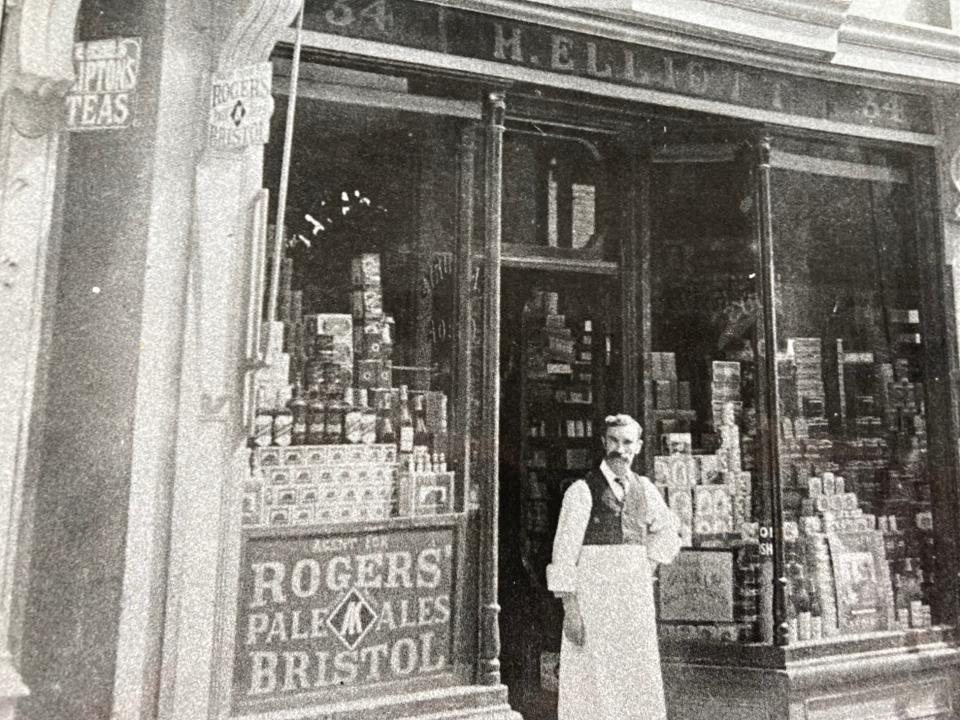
<point x="629" y="277"/>
<point x="770" y="424"/>
<point x="461" y="425"/>
<point x="941" y="382"/>
<point x="638" y="291"/>
<point x="489" y="661"/>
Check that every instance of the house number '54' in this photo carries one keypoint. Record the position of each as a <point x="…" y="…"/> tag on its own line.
<point x="344" y="14"/>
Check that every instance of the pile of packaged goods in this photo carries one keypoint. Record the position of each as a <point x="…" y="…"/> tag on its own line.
<point x="307" y="484"/>
<point x="708" y="488"/>
<point x="853" y="474"/>
<point x="357" y="447"/>
<point x="671" y="397"/>
<point x="848" y="570"/>
<point x="709" y="492"/>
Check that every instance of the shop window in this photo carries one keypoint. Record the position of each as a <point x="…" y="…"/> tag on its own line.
<point x="559" y="196"/>
<point x="853" y="478"/>
<point x="354" y="519"/>
<point x="851" y="345"/>
<point x="702" y="391"/>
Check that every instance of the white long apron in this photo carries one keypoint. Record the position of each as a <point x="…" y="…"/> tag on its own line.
<point x="616" y="674"/>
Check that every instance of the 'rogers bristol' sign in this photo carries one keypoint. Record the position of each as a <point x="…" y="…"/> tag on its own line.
<point x="241" y="104"/>
<point x="325" y="612"/>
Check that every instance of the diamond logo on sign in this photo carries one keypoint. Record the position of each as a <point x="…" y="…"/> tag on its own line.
<point x="238" y="113"/>
<point x="241" y="103"/>
<point x="352" y="619"/>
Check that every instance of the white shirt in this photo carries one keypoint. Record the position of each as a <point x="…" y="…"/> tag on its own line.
<point x="612" y="480"/>
<point x="663" y="538"/>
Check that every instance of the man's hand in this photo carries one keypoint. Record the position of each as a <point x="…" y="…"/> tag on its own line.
<point x="573" y="627"/>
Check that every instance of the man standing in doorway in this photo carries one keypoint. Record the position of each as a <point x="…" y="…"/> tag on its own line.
<point x="614" y="528"/>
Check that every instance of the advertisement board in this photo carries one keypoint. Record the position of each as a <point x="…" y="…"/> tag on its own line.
<point x="325" y="611"/>
<point x="103" y="94"/>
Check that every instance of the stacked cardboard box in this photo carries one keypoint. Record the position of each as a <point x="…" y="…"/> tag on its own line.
<point x="335" y="331"/>
<point x="372" y="331"/>
<point x="321" y="484"/>
<point x="724" y="390"/>
<point x="807" y="354"/>
<point x="787" y="385"/>
<point x="425" y="492"/>
<point x="712" y="511"/>
<point x="710" y="493"/>
<point x="671" y="396"/>
<point x="551" y="348"/>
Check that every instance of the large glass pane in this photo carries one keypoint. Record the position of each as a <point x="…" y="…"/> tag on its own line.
<point x="561" y="197"/>
<point x="702" y="384"/>
<point x="859" y="539"/>
<point x="355" y="565"/>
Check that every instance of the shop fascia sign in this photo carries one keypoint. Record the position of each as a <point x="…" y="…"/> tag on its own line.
<point x="241" y="104"/>
<point x="104" y="92"/>
<point x="554" y="52"/>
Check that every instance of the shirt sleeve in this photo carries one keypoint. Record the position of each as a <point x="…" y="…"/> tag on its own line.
<point x="574" y="516"/>
<point x="663" y="526"/>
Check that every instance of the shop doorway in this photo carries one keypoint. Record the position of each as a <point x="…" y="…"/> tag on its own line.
<point x="561" y="368"/>
<point x="560" y="374"/>
<point x="600" y="237"/>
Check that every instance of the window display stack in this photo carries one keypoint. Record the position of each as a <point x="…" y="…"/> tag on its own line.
<point x="840" y="577"/>
<point x="333" y="440"/>
<point x="858" y="531"/>
<point x="671" y="397"/>
<point x="853" y="444"/>
<point x="711" y="494"/>
<point x="709" y="491"/>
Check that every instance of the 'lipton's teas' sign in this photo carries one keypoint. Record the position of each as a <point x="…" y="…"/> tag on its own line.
<point x="536" y="47"/>
<point x="345" y="610"/>
<point x="104" y="91"/>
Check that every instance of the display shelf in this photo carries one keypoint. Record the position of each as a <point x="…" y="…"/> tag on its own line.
<point x="759" y="655"/>
<point x="534" y="258"/>
<point x="353" y="528"/>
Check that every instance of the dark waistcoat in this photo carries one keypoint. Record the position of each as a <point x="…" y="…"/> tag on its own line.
<point x="614" y="521"/>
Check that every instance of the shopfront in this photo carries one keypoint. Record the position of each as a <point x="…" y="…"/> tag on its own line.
<point x="574" y="225"/>
<point x="412" y="293"/>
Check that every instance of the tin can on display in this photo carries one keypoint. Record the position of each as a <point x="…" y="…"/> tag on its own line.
<point x="365" y="270"/>
<point x="283" y="429"/>
<point x="366" y="303"/>
<point x="263" y="430"/>
<point x="369" y="374"/>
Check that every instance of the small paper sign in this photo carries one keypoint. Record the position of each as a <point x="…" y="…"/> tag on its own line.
<point x="241" y="104"/>
<point x="103" y="94"/>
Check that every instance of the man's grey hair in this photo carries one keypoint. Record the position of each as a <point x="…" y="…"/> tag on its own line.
<point x="621" y="420"/>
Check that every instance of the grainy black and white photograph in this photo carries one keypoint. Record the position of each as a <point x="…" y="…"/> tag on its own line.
<point x="479" y="360"/>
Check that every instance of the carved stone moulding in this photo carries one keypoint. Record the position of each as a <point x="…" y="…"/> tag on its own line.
<point x="44" y="45"/>
<point x="253" y="35"/>
<point x="793" y="28"/>
<point x="41" y="33"/>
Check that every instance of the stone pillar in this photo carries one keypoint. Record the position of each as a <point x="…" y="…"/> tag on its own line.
<point x="227" y="235"/>
<point x="36" y="69"/>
